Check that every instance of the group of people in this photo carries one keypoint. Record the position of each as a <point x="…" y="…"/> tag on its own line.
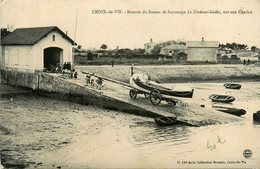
<point x="94" y="81"/>
<point x="68" y="70"/>
<point x="248" y="62"/>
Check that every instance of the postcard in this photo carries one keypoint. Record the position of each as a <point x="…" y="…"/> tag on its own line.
<point x="130" y="84"/>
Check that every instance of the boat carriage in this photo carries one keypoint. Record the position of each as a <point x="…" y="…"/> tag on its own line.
<point x="230" y="110"/>
<point x="142" y="84"/>
<point x="221" y="98"/>
<point x="232" y="86"/>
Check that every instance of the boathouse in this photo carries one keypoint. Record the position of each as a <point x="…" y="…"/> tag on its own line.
<point x="31" y="49"/>
<point x="202" y="51"/>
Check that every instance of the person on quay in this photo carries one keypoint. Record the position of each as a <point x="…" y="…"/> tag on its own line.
<point x="76" y="75"/>
<point x="88" y="79"/>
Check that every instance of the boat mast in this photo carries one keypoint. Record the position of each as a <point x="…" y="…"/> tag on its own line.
<point x="76" y="26"/>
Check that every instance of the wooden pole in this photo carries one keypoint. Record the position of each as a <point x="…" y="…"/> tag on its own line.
<point x="112" y="80"/>
<point x="132" y="69"/>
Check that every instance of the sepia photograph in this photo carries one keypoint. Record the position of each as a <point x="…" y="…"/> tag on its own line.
<point x="129" y="84"/>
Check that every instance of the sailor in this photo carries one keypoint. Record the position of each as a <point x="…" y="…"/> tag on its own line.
<point x="113" y="62"/>
<point x="88" y="78"/>
<point x="71" y="74"/>
<point x="76" y="75"/>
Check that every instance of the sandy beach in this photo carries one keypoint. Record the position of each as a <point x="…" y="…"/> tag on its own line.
<point x="32" y="126"/>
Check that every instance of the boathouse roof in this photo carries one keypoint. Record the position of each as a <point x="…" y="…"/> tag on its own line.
<point x="30" y="36"/>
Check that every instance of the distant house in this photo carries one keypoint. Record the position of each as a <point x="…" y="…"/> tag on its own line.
<point x="227" y="50"/>
<point x="30" y="49"/>
<point x="173" y="49"/>
<point x="148" y="47"/>
<point x="202" y="51"/>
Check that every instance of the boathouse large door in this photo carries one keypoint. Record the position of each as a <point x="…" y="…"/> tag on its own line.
<point x="53" y="57"/>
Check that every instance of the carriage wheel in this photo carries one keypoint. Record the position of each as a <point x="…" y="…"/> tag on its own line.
<point x="146" y="95"/>
<point x="155" y="97"/>
<point x="171" y="102"/>
<point x="133" y="93"/>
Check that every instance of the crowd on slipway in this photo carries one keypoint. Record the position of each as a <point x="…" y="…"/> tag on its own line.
<point x="94" y="81"/>
<point x="67" y="70"/>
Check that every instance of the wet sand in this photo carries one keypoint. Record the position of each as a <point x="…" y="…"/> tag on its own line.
<point x="32" y="126"/>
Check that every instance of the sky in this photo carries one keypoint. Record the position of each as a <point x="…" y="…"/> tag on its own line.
<point x="91" y="29"/>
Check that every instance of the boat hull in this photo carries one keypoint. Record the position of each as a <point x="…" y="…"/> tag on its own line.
<point x="165" y="121"/>
<point x="233" y="111"/>
<point x="221" y="98"/>
<point x="165" y="92"/>
<point x="256" y="116"/>
<point x="232" y="86"/>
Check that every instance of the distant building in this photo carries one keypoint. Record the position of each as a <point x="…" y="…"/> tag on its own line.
<point x="173" y="49"/>
<point x="228" y="51"/>
<point x="148" y="47"/>
<point x="203" y="51"/>
<point x="30" y="49"/>
<point x="258" y="51"/>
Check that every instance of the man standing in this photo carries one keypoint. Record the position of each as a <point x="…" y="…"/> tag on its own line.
<point x="113" y="63"/>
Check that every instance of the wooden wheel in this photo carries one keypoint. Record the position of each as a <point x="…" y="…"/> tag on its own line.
<point x="133" y="93"/>
<point x="155" y="97"/>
